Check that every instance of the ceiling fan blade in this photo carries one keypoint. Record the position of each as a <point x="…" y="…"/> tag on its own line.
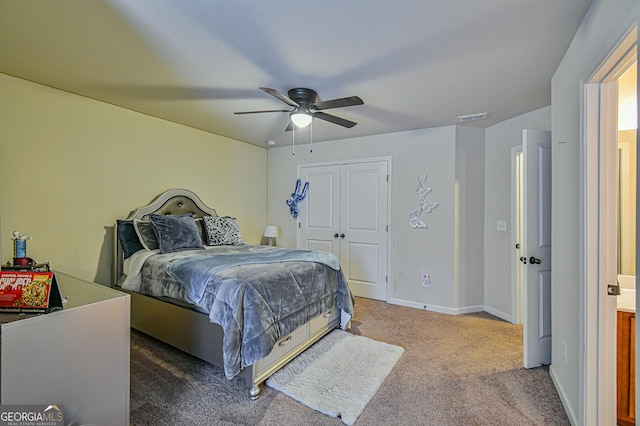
<point x="335" y="120"/>
<point x="337" y="103"/>
<point x="280" y="96"/>
<point x="259" y="112"/>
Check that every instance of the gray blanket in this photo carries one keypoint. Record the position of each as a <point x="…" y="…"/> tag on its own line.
<point x="196" y="272"/>
<point x="261" y="296"/>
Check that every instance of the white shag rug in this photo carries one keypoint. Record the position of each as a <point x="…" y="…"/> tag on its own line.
<point x="338" y="375"/>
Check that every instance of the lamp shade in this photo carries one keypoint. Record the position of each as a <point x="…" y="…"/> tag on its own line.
<point x="300" y="118"/>
<point x="270" y="231"/>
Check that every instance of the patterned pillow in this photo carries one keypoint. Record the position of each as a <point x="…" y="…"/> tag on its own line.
<point x="222" y="231"/>
<point x="176" y="232"/>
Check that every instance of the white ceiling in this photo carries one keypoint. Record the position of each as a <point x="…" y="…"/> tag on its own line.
<point x="415" y="63"/>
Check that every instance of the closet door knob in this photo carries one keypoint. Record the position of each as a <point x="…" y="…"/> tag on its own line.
<point x="341" y="235"/>
<point x="335" y="235"/>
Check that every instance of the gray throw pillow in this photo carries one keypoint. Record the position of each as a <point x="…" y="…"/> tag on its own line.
<point x="129" y="240"/>
<point x="146" y="234"/>
<point x="176" y="232"/>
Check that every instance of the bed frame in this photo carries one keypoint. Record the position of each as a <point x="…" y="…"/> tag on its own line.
<point x="190" y="330"/>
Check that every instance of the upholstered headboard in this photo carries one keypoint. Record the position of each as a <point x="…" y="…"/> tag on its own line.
<point x="174" y="202"/>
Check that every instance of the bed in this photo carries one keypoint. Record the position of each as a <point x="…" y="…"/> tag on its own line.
<point x="196" y="285"/>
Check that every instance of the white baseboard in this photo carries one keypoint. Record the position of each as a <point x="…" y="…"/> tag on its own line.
<point x="452" y="311"/>
<point x="499" y="314"/>
<point x="563" y="397"/>
<point x="436" y="308"/>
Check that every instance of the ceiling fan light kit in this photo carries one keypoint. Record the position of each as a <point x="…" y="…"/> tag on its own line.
<point x="301" y="118"/>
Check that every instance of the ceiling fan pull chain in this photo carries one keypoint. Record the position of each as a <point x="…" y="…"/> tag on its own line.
<point x="293" y="145"/>
<point x="311" y="137"/>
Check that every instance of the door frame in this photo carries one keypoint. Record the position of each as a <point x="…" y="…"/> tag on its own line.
<point x="517" y="235"/>
<point x="597" y="386"/>
<point x="389" y="162"/>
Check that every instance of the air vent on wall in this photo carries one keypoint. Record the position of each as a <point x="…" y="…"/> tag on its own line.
<point x="472" y="117"/>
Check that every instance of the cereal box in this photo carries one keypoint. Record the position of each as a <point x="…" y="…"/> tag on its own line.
<point x="22" y="291"/>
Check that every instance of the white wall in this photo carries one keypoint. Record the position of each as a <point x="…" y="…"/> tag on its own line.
<point x="605" y="23"/>
<point x="469" y="230"/>
<point x="413" y="251"/>
<point x="70" y="166"/>
<point x="497" y="267"/>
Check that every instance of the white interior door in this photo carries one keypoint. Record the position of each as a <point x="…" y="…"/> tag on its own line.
<point x="346" y="213"/>
<point x="319" y="221"/>
<point x="537" y="247"/>
<point x="363" y="223"/>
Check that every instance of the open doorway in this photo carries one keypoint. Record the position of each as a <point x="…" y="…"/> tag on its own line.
<point x="517" y="233"/>
<point x="626" y="247"/>
<point x="602" y="244"/>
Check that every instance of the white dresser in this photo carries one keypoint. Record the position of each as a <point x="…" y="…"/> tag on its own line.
<point x="77" y="357"/>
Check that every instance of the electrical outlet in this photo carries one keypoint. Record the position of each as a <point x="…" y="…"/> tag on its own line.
<point x="565" y="352"/>
<point x="426" y="280"/>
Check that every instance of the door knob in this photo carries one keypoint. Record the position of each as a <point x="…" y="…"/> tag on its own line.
<point x="535" y="261"/>
<point x="335" y="235"/>
<point x="523" y="259"/>
<point x="341" y="235"/>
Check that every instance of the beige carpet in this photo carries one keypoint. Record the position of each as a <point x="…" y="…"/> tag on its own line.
<point x="456" y="370"/>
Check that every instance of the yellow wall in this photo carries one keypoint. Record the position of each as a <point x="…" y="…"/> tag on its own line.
<point x="70" y="166"/>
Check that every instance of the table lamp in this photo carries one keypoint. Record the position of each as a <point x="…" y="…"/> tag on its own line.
<point x="270" y="234"/>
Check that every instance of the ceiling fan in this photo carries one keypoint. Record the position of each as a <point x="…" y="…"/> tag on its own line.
<point x="307" y="106"/>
